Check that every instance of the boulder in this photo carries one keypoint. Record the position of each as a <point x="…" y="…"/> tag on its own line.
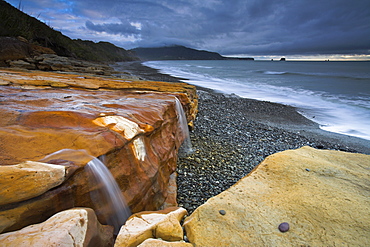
<point x="22" y="64"/>
<point x="28" y="179"/>
<point x="133" y="125"/>
<point x="58" y="63"/>
<point x="322" y="196"/>
<point x="164" y="224"/>
<point x="74" y="227"/>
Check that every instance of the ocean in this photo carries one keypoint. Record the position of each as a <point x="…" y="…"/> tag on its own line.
<point x="336" y="95"/>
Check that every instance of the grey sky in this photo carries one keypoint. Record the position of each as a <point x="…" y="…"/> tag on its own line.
<point x="253" y="27"/>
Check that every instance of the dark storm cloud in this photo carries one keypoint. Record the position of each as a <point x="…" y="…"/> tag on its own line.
<point x="254" y="27"/>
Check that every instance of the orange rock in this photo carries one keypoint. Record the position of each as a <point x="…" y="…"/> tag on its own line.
<point x="27" y="180"/>
<point x="135" y="126"/>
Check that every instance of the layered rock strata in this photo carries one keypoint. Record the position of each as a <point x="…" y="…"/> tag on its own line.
<point x="321" y="196"/>
<point x="133" y="124"/>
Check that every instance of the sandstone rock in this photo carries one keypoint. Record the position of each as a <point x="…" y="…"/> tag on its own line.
<point x="132" y="124"/>
<point x="74" y="227"/>
<point x="58" y="63"/>
<point x="164" y="224"/>
<point x="27" y="180"/>
<point x="152" y="242"/>
<point x="22" y="64"/>
<point x="323" y="195"/>
<point x="171" y="198"/>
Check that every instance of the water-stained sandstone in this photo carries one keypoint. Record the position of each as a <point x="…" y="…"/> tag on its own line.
<point x="133" y="124"/>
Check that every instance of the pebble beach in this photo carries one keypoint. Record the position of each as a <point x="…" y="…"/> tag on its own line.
<point x="232" y="135"/>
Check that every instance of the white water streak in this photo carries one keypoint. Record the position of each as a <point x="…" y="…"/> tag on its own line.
<point x="186" y="147"/>
<point x="118" y="209"/>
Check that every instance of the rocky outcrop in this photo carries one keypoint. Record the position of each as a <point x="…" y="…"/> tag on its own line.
<point x="133" y="124"/>
<point x="321" y="196"/>
<point x="164" y="224"/>
<point x="18" y="53"/>
<point x="27" y="180"/>
<point x="13" y="49"/>
<point x="74" y="227"/>
<point x="51" y="62"/>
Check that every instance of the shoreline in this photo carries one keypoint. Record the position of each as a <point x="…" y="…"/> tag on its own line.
<point x="287" y="116"/>
<point x="232" y="135"/>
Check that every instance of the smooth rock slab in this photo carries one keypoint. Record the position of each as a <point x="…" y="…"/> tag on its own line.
<point x="74" y="227"/>
<point x="164" y="224"/>
<point x="326" y="205"/>
<point x="132" y="124"/>
<point x="28" y="179"/>
<point x="152" y="242"/>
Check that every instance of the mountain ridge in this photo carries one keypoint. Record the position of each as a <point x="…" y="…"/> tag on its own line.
<point x="178" y="52"/>
<point x="15" y="23"/>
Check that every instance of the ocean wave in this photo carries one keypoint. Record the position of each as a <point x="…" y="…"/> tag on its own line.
<point x="322" y="75"/>
<point x="204" y="67"/>
<point x="335" y="106"/>
<point x="274" y="72"/>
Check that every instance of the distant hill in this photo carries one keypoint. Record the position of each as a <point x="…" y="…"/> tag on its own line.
<point x="15" y="23"/>
<point x="178" y="52"/>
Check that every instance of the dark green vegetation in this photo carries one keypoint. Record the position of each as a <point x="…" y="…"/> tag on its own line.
<point x="177" y="52"/>
<point x="14" y="23"/>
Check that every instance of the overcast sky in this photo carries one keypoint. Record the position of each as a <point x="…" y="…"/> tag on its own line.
<point x="251" y="27"/>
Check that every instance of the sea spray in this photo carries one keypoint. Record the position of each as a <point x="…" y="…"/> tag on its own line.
<point x="105" y="194"/>
<point x="186" y="147"/>
<point x="108" y="198"/>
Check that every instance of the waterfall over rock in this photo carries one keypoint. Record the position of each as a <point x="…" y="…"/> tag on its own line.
<point x="133" y="124"/>
<point x="108" y="198"/>
<point x="186" y="147"/>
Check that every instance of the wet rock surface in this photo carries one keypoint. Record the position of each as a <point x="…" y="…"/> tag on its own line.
<point x="132" y="124"/>
<point x="232" y="135"/>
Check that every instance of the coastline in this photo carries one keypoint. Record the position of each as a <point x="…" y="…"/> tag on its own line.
<point x="232" y="135"/>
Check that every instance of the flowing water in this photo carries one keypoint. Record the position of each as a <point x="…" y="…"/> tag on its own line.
<point x="109" y="197"/>
<point x="186" y="147"/>
<point x="105" y="194"/>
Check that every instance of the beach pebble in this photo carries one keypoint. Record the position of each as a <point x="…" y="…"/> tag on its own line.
<point x="227" y="147"/>
<point x="284" y="227"/>
<point x="222" y="212"/>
